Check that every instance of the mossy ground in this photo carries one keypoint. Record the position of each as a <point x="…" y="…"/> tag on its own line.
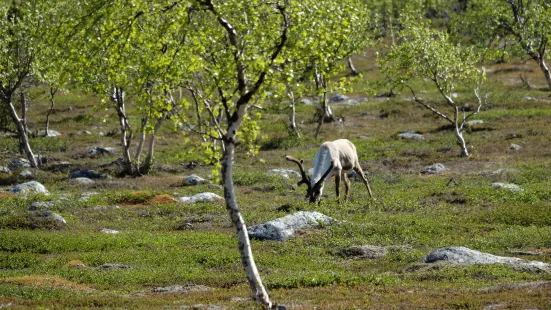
<point x="168" y="243"/>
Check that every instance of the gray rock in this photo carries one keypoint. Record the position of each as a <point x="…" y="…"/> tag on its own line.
<point x="284" y="173"/>
<point x="51" y="133"/>
<point x="352" y="102"/>
<point x="503" y="171"/>
<point x="110" y="266"/>
<point x="4" y="169"/>
<point x="434" y="169"/>
<point x="87" y="195"/>
<point x="62" y="166"/>
<point x="98" y="150"/>
<point x="82" y="181"/>
<point x="474" y="122"/>
<point x="306" y="101"/>
<point x="182" y="289"/>
<point x="87" y="173"/>
<point x="466" y="256"/>
<point x="365" y="251"/>
<point x="408" y="135"/>
<point x="512" y="187"/>
<point x="109" y="231"/>
<point x="515" y="147"/>
<point x="283" y="228"/>
<point x="45" y="217"/>
<point x="363" y="99"/>
<point x="201" y="197"/>
<point x="194" y="179"/>
<point x="371" y="251"/>
<point x="528" y="98"/>
<point x="29" y="187"/>
<point x="26" y="174"/>
<point x="19" y="163"/>
<point x="42" y="205"/>
<point x="84" y="133"/>
<point x="339" y="97"/>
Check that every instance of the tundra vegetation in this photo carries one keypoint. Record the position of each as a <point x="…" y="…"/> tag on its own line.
<point x="217" y="87"/>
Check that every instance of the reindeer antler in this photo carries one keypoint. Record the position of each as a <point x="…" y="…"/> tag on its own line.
<point x="305" y="178"/>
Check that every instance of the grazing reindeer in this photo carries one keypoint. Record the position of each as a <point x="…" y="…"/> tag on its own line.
<point x="333" y="158"/>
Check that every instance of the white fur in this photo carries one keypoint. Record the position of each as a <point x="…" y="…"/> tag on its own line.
<point x="342" y="153"/>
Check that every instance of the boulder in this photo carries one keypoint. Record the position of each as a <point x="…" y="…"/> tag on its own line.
<point x="87" y="173"/>
<point x="29" y="187"/>
<point x="352" y="102"/>
<point x="511" y="187"/>
<point x="466" y="256"/>
<point x="474" y="122"/>
<point x="182" y="289"/>
<point x="515" y="147"/>
<point x="284" y="173"/>
<point x="410" y="135"/>
<point x="51" y="133"/>
<point x="82" y="181"/>
<point x="86" y="195"/>
<point x="339" y="97"/>
<point x="306" y="101"/>
<point x="42" y="205"/>
<point x="201" y="197"/>
<point x="109" y="231"/>
<point x="19" y="163"/>
<point x="26" y="174"/>
<point x="434" y="169"/>
<point x="194" y="179"/>
<point x="98" y="150"/>
<point x="45" y="218"/>
<point x="371" y="251"/>
<point x="283" y="228"/>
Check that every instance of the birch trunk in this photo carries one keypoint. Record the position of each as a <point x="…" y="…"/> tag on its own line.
<point x="545" y="70"/>
<point x="148" y="162"/>
<point x="292" y="117"/>
<point x="351" y="67"/>
<point x="244" y="245"/>
<point x="459" y="134"/>
<point x="22" y="133"/>
<point x="141" y="141"/>
<point x="47" y="125"/>
<point x="126" y="133"/>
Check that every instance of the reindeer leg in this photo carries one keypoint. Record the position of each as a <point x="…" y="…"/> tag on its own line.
<point x="346" y="185"/>
<point x="337" y="183"/>
<point x="359" y="171"/>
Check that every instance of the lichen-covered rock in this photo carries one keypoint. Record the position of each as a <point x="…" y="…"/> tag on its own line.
<point x="511" y="187"/>
<point x="29" y="187"/>
<point x="45" y="218"/>
<point x="466" y="256"/>
<point x="98" y="150"/>
<point x="410" y="135"/>
<point x="82" y="181"/>
<point x="201" y="197"/>
<point x="283" y="228"/>
<point x="434" y="169"/>
<point x="87" y="173"/>
<point x="19" y="163"/>
<point x="194" y="179"/>
<point x="339" y="97"/>
<point x="284" y="173"/>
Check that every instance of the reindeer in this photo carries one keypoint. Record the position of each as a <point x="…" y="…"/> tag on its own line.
<point x="333" y="158"/>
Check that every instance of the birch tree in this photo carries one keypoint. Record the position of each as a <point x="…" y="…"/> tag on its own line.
<point x="25" y="27"/>
<point x="525" y="22"/>
<point x="226" y="54"/>
<point x="425" y="53"/>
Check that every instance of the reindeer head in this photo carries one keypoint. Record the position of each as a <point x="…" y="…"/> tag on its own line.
<point x="313" y="192"/>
